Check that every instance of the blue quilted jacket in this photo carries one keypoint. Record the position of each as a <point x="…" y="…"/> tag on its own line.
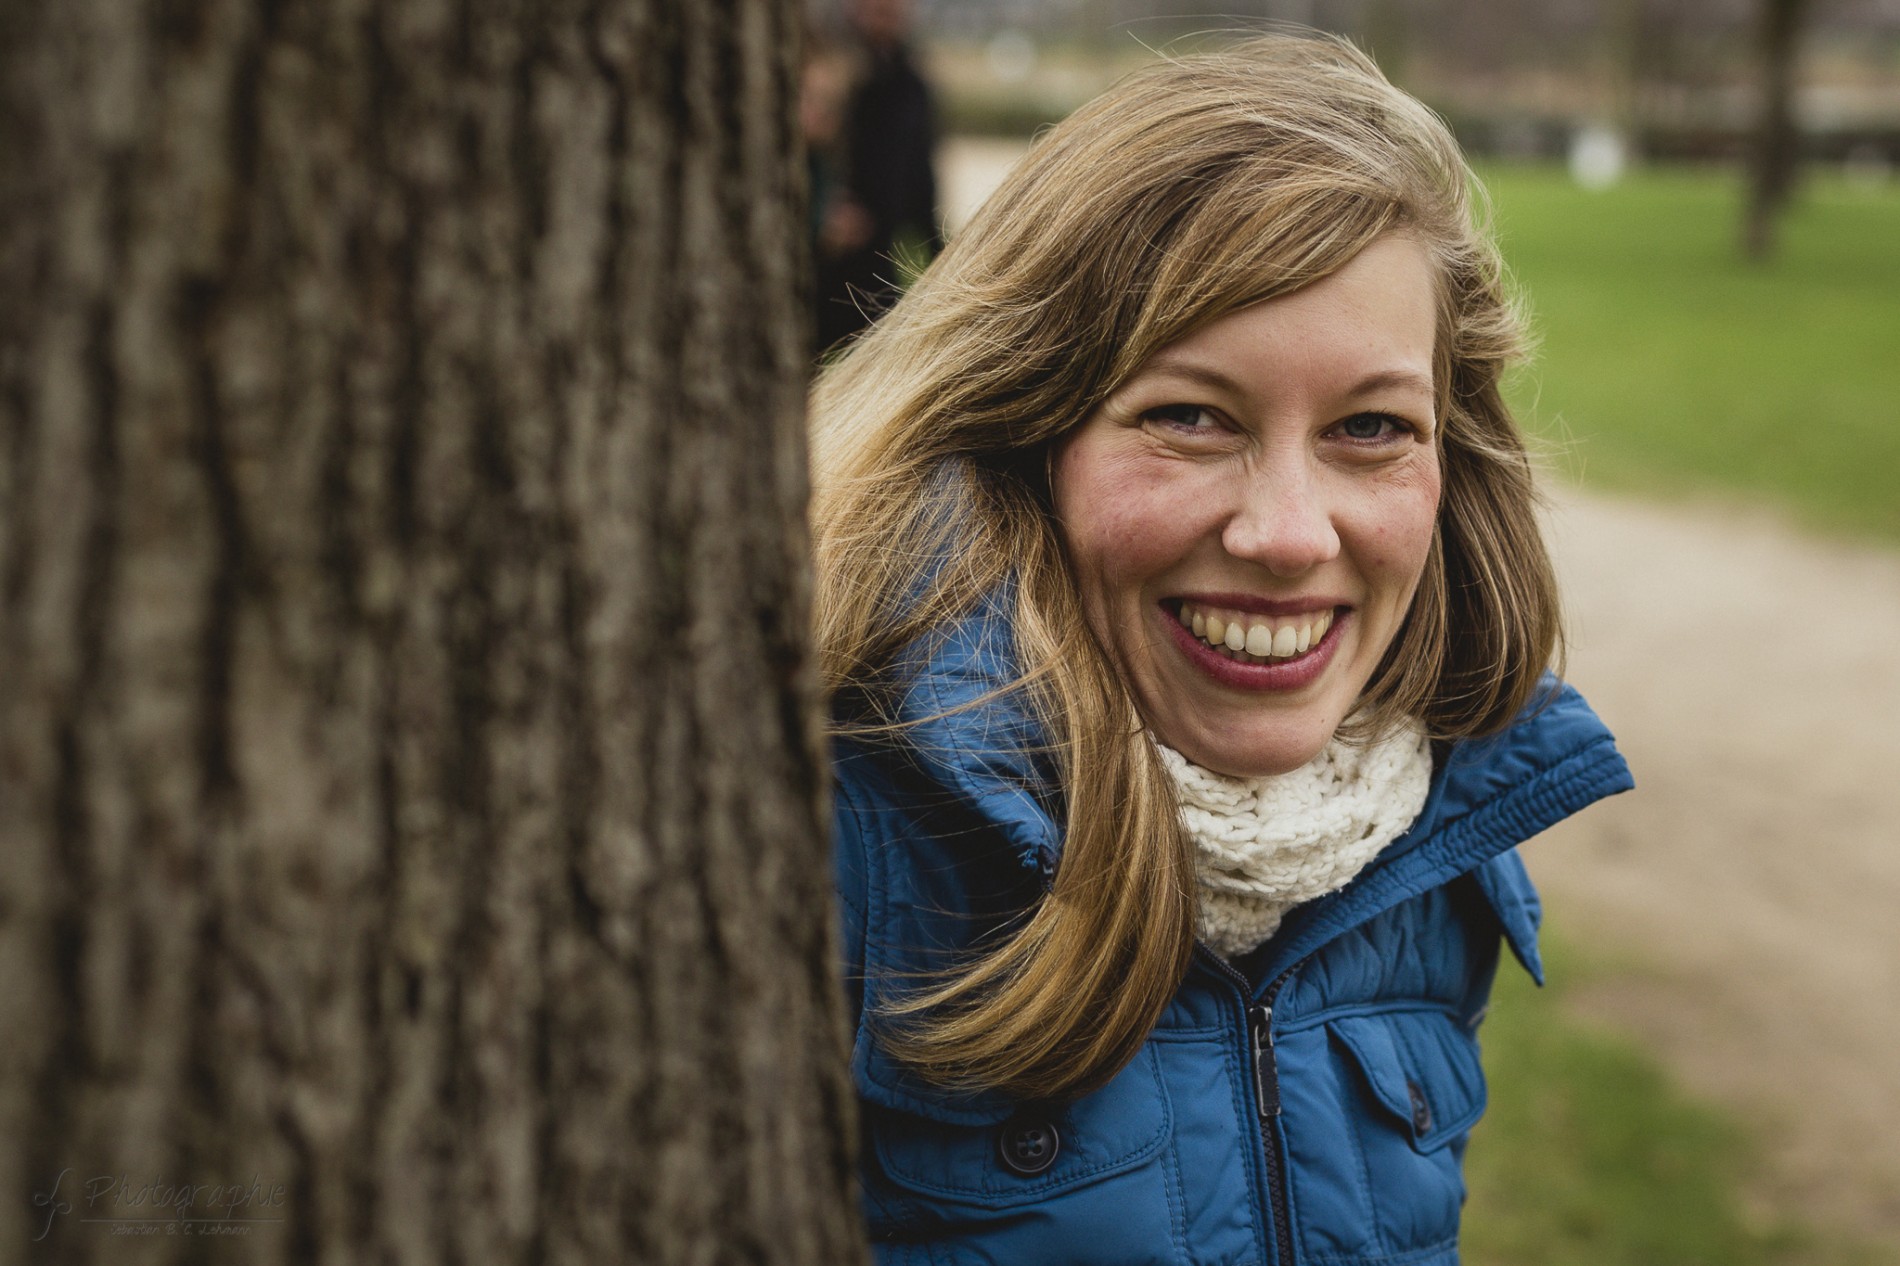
<point x="1306" y="1104"/>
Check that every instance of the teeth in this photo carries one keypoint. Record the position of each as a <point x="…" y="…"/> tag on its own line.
<point x="1249" y="638"/>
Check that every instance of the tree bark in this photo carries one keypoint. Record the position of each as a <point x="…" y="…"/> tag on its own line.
<point x="408" y="768"/>
<point x="1775" y="152"/>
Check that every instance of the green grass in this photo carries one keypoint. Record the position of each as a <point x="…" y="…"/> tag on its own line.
<point x="1591" y="1156"/>
<point x="1670" y="366"/>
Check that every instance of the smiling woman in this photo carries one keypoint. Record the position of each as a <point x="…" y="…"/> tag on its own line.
<point x="1187" y="626"/>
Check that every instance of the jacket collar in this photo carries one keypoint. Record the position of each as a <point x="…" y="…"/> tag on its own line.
<point x="974" y="735"/>
<point x="1488" y="796"/>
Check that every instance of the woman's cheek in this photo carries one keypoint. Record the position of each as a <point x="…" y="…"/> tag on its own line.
<point x="1402" y="520"/>
<point x="1139" y="537"/>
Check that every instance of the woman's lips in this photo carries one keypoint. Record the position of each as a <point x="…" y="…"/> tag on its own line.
<point x="1260" y="634"/>
<point x="1270" y="655"/>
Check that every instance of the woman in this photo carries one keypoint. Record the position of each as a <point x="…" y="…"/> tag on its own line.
<point x="1188" y="626"/>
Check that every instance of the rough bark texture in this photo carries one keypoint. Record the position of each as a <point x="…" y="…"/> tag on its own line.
<point x="1776" y="149"/>
<point x="408" y="781"/>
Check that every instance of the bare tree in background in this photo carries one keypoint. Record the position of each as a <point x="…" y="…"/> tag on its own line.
<point x="408" y="774"/>
<point x="1776" y="146"/>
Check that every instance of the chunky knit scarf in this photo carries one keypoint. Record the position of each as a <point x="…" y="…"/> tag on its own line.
<point x="1264" y="845"/>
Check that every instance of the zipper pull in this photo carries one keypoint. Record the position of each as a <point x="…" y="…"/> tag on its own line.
<point x="1266" y="1071"/>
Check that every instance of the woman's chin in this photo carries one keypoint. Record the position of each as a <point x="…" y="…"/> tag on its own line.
<point x="1262" y="756"/>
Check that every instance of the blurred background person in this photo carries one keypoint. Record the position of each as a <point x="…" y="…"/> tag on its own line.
<point x="878" y="217"/>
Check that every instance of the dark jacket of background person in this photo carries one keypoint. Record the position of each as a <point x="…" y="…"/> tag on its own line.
<point x="1308" y="1103"/>
<point x="888" y="149"/>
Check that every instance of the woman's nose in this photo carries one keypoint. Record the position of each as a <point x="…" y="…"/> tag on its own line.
<point x="1283" y="522"/>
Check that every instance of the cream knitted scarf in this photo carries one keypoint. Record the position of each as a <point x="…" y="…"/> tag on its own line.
<point x="1264" y="845"/>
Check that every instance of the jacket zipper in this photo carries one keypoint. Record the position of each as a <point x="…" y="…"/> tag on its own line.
<point x="1266" y="1098"/>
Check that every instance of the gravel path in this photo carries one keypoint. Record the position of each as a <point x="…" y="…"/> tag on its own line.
<point x="1752" y="678"/>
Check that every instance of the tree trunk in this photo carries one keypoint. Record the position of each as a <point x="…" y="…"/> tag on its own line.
<point x="408" y="773"/>
<point x="1775" y="151"/>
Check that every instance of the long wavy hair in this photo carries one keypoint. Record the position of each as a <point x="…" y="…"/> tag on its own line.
<point x="1193" y="188"/>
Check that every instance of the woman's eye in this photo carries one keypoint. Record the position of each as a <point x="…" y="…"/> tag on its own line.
<point x="1183" y="417"/>
<point x="1371" y="426"/>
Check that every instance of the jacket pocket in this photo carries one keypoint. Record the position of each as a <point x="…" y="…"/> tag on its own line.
<point x="1091" y="1180"/>
<point x="1376" y="1154"/>
<point x="1421" y="1069"/>
<point x="1117" y="1128"/>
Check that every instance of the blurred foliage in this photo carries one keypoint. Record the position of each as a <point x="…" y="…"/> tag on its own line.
<point x="1670" y="366"/>
<point x="1590" y="1156"/>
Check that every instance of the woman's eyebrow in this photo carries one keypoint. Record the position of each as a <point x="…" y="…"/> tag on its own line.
<point x="1379" y="380"/>
<point x="1182" y="367"/>
<point x="1389" y="378"/>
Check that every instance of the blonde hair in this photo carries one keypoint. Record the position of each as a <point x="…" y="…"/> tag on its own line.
<point x="1193" y="188"/>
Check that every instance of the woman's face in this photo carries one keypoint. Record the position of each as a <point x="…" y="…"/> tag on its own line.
<point x="1249" y="514"/>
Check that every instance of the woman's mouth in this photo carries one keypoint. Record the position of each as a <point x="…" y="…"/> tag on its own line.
<point x="1247" y="637"/>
